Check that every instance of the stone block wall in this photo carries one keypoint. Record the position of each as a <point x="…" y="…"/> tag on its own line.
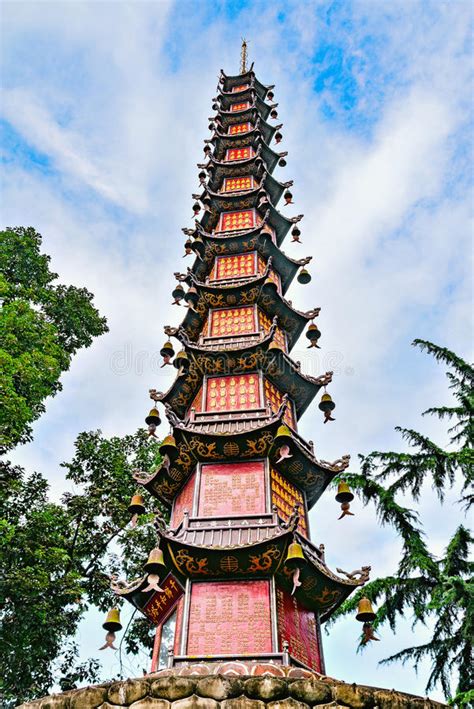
<point x="219" y="691"/>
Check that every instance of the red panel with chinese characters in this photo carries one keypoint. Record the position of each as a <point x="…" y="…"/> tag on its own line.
<point x="183" y="501"/>
<point x="232" y="221"/>
<point x="230" y="618"/>
<point x="160" y="605"/>
<point x="298" y="627"/>
<point x="238" y="266"/>
<point x="274" y="397"/>
<point x="285" y="496"/>
<point x="232" y="489"/>
<point x="233" y="393"/>
<point x="265" y="323"/>
<point x="233" y="321"/>
<point x="238" y="184"/>
<point x="179" y="626"/>
<point x="239" y="128"/>
<point x="239" y="154"/>
<point x="240" y="106"/>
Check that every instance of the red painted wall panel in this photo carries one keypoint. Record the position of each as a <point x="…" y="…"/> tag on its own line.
<point x="232" y="489"/>
<point x="183" y="501"/>
<point x="230" y="617"/>
<point x="232" y="393"/>
<point x="298" y="627"/>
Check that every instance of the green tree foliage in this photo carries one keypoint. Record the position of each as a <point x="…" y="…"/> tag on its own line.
<point x="438" y="592"/>
<point x="58" y="559"/>
<point x="42" y="325"/>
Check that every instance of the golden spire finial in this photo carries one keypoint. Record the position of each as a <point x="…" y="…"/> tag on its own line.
<point x="243" y="57"/>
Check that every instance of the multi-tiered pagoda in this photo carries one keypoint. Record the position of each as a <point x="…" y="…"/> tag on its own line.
<point x="235" y="576"/>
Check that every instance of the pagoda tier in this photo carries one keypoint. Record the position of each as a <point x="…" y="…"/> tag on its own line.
<point x="260" y="290"/>
<point x="244" y="152"/>
<point x="236" y="574"/>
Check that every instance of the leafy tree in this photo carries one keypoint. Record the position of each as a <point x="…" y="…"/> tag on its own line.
<point x="42" y="325"/>
<point x="440" y="590"/>
<point x="58" y="559"/>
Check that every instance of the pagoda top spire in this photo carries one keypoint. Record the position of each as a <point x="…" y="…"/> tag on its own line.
<point x="243" y="57"/>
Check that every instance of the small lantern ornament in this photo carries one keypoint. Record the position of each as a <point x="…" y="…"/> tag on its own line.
<point x="304" y="276"/>
<point x="296" y="233"/>
<point x="365" y="615"/>
<point x="153" y="420"/>
<point x="181" y="362"/>
<point x="167" y="352"/>
<point x="111" y="625"/>
<point x="313" y="334"/>
<point x="154" y="565"/>
<point x="178" y="294"/>
<point x="326" y="405"/>
<point x="295" y="560"/>
<point x="288" y="197"/>
<point x="345" y="497"/>
<point x="136" y="507"/>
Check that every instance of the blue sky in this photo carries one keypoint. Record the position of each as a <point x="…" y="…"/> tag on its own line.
<point x="104" y="110"/>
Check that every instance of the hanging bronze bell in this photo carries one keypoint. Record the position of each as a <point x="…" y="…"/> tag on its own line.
<point x="283" y="435"/>
<point x="365" y="612"/>
<point x="202" y="176"/>
<point x="270" y="95"/>
<point x="215" y="106"/>
<point x="167" y="349"/>
<point x="275" y="347"/>
<point x="295" y="557"/>
<point x="187" y="247"/>
<point x="344" y="493"/>
<point x="296" y="231"/>
<point x="326" y="403"/>
<point x="274" y="113"/>
<point x="313" y="334"/>
<point x="282" y="162"/>
<point x="207" y="149"/>
<point x="278" y="138"/>
<point x="169" y="447"/>
<point x="137" y="505"/>
<point x="288" y="197"/>
<point x="270" y="283"/>
<point x="211" y="126"/>
<point x="155" y="561"/>
<point x="192" y="296"/>
<point x="196" y="208"/>
<point x="198" y="246"/>
<point x="303" y="276"/>
<point x="112" y="622"/>
<point x="181" y="361"/>
<point x="153" y="417"/>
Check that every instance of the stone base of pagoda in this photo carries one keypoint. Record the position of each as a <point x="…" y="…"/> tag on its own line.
<point x="223" y="687"/>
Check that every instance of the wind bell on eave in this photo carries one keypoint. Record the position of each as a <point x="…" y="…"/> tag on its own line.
<point x="111" y="625"/>
<point x="167" y="352"/>
<point x="326" y="405"/>
<point x="365" y="615"/>
<point x="136" y="507"/>
<point x="295" y="561"/>
<point x="153" y="420"/>
<point x="153" y="567"/>
<point x="345" y="497"/>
